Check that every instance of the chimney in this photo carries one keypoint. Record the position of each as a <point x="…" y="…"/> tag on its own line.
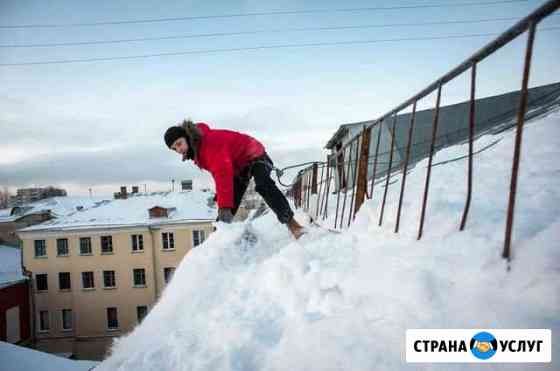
<point x="186" y="185"/>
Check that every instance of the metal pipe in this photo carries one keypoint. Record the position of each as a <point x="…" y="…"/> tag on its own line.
<point x="375" y="159"/>
<point x="351" y="210"/>
<point x="388" y="170"/>
<point x="407" y="157"/>
<point x="429" y="171"/>
<point x="471" y="139"/>
<point x="346" y="185"/>
<point x="518" y="139"/>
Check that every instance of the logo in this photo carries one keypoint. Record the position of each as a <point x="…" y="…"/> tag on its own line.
<point x="483" y="345"/>
<point x="479" y="345"/>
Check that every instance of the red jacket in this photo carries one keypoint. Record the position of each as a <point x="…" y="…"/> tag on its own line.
<point x="224" y="153"/>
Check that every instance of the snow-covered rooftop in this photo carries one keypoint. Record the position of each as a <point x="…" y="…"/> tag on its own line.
<point x="58" y="206"/>
<point x="184" y="206"/>
<point x="344" y="301"/>
<point x="17" y="358"/>
<point x="10" y="265"/>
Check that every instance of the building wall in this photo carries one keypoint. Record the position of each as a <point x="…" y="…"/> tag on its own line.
<point x="8" y="229"/>
<point x="16" y="295"/>
<point x="89" y="306"/>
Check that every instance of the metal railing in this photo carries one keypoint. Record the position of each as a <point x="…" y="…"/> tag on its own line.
<point x="350" y="163"/>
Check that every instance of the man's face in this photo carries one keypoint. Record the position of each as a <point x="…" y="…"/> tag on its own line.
<point x="180" y="146"/>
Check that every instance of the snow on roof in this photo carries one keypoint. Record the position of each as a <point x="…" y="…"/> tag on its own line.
<point x="16" y="358"/>
<point x="58" y="206"/>
<point x="343" y="301"/>
<point x="133" y="211"/>
<point x="10" y="265"/>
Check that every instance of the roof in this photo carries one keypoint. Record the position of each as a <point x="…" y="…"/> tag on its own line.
<point x="190" y="206"/>
<point x="17" y="358"/>
<point x="58" y="206"/>
<point x="10" y="266"/>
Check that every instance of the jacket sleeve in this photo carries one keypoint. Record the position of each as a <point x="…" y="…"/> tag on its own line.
<point x="222" y="172"/>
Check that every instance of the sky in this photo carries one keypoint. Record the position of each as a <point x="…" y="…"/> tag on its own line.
<point x="99" y="125"/>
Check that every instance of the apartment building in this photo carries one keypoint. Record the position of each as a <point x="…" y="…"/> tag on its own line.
<point x="97" y="273"/>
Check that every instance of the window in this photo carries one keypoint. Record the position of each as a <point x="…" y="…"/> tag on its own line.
<point x="66" y="319"/>
<point x="137" y="242"/>
<point x="40" y="248"/>
<point x="109" y="279"/>
<point x="168" y="273"/>
<point x="168" y="242"/>
<point x="41" y="281"/>
<point x="112" y="319"/>
<point x="106" y="244"/>
<point x="62" y="247"/>
<point x="44" y="324"/>
<point x="139" y="277"/>
<point x="85" y="246"/>
<point x="64" y="281"/>
<point x="141" y="312"/>
<point x="87" y="280"/>
<point x="198" y="237"/>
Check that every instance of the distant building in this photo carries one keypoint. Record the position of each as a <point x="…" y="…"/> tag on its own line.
<point x="28" y="195"/>
<point x="25" y="215"/>
<point x="15" y="307"/>
<point x="97" y="273"/>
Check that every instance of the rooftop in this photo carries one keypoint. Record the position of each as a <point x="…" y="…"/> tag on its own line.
<point x="184" y="206"/>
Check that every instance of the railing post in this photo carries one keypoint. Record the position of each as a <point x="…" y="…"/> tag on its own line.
<point x="351" y="212"/>
<point x="407" y="157"/>
<point x="329" y="177"/>
<point x="314" y="179"/>
<point x="379" y="126"/>
<point x="429" y="171"/>
<point x="346" y="185"/>
<point x="471" y="139"/>
<point x="506" y="253"/>
<point x="319" y="193"/>
<point x="388" y="170"/>
<point x="361" y="188"/>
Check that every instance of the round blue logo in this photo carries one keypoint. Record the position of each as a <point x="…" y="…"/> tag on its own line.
<point x="483" y="345"/>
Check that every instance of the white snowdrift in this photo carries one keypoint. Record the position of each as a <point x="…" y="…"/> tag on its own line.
<point x="343" y="301"/>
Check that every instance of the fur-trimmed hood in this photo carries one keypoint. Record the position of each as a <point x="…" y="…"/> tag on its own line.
<point x="194" y="136"/>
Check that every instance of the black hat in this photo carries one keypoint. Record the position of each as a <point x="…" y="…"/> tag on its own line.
<point x="174" y="133"/>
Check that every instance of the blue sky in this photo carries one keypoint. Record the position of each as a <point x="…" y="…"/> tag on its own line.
<point x="100" y="124"/>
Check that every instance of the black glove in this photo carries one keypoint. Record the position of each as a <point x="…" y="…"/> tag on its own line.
<point x="225" y="215"/>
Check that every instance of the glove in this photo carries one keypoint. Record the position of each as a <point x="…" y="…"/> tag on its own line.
<point x="225" y="215"/>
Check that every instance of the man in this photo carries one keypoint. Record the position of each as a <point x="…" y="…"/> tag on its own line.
<point x="232" y="158"/>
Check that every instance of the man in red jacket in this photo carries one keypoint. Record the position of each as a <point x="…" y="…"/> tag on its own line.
<point x="232" y="158"/>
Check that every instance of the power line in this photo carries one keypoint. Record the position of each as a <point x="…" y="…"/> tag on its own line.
<point x="268" y="13"/>
<point x="252" y="32"/>
<point x="261" y="47"/>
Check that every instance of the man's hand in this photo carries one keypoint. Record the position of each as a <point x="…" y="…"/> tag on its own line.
<point x="225" y="215"/>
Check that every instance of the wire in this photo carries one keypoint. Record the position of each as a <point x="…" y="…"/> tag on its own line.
<point x="254" y="48"/>
<point x="268" y="13"/>
<point x="252" y="32"/>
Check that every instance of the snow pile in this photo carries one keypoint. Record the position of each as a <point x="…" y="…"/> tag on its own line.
<point x="16" y="358"/>
<point x="344" y="301"/>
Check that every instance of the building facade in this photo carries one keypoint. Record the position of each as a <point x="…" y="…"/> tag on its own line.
<point x="92" y="285"/>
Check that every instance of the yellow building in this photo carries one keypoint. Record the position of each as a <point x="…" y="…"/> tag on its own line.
<point x="97" y="272"/>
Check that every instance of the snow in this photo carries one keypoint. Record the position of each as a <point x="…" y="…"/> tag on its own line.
<point x="344" y="301"/>
<point x="58" y="206"/>
<point x="16" y="358"/>
<point x="10" y="265"/>
<point x="133" y="211"/>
